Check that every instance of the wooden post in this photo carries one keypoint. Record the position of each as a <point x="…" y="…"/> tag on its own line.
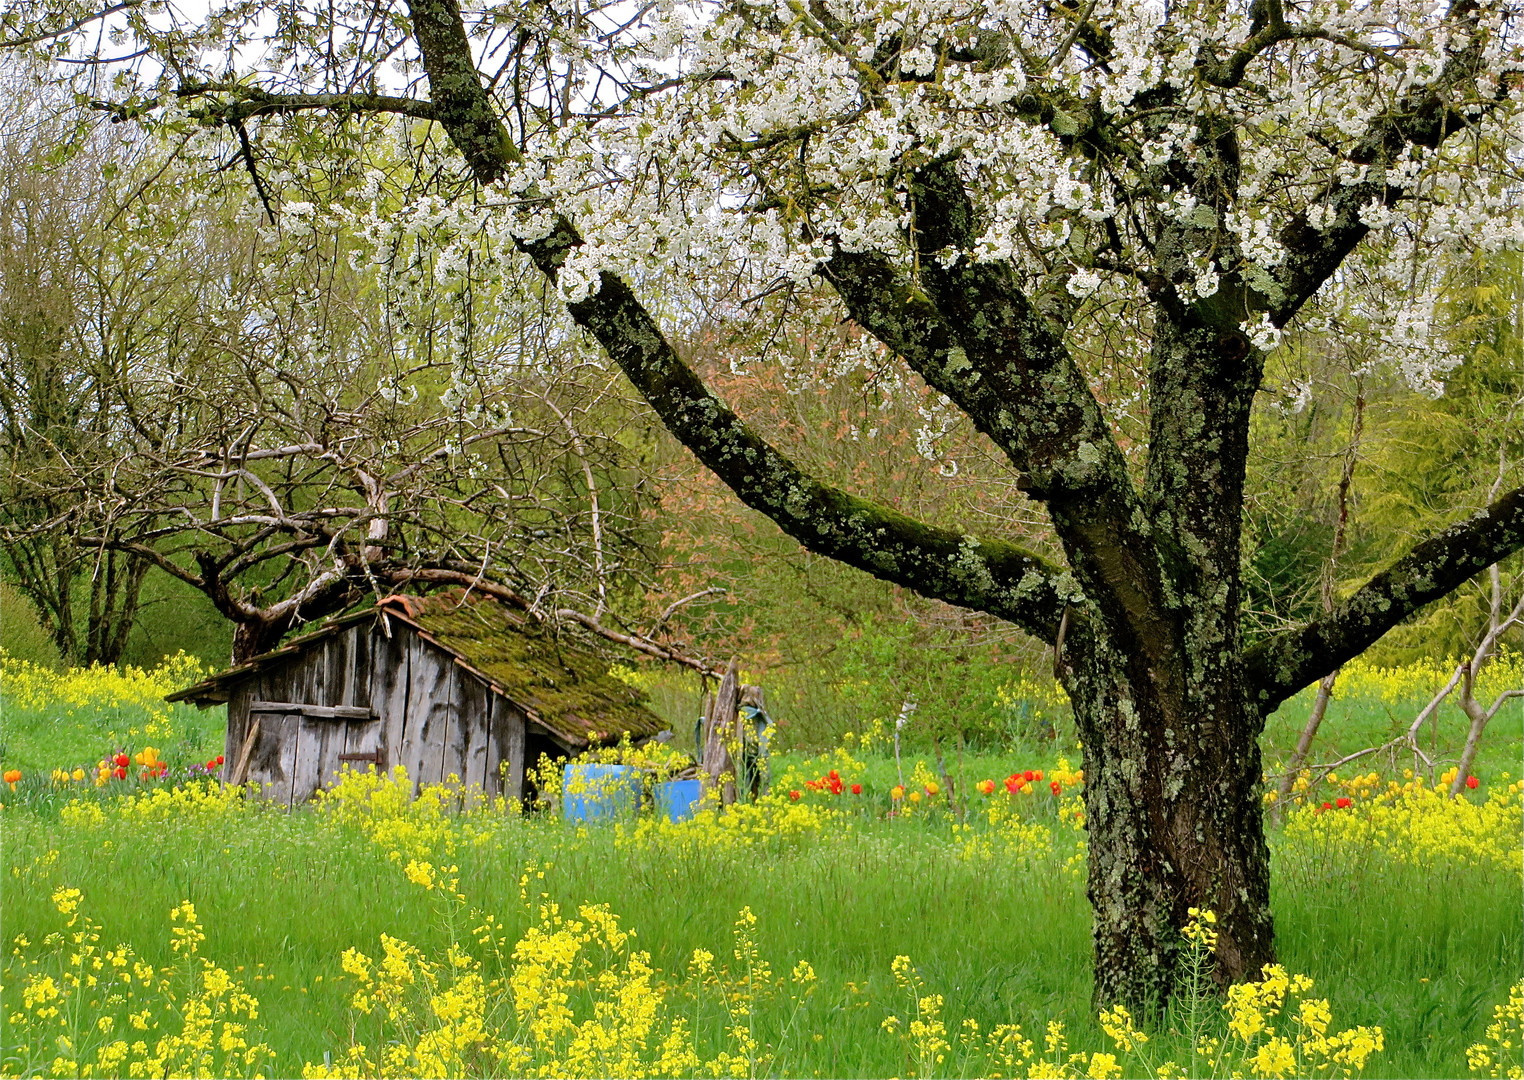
<point x="241" y="766"/>
<point x="719" y="725"/>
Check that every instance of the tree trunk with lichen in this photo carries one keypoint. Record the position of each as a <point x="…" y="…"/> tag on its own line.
<point x="1174" y="821"/>
<point x="1171" y="750"/>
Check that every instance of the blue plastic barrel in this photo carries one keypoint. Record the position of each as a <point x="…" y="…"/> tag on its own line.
<point x="599" y="792"/>
<point x="678" y="799"/>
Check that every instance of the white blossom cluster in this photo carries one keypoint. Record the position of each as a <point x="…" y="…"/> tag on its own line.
<point x="795" y="129"/>
<point x="740" y="144"/>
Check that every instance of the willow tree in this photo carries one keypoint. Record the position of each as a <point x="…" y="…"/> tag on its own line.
<point x="997" y="191"/>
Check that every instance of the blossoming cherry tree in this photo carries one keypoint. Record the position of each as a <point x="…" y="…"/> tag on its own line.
<point x="996" y="191"/>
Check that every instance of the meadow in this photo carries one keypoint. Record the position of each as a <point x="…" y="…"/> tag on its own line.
<point x="855" y="924"/>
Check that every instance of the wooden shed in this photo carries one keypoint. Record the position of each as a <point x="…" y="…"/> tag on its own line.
<point x="442" y="685"/>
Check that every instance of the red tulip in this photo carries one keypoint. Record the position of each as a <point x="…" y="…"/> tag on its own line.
<point x="1472" y="782"/>
<point x="121" y="772"/>
<point x="1029" y="776"/>
<point x="219" y="759"/>
<point x="834" y="775"/>
<point x="1012" y="783"/>
<point x="1342" y="803"/>
<point x="1057" y="788"/>
<point x="794" y="795"/>
<point x="122" y="761"/>
<point x="857" y="789"/>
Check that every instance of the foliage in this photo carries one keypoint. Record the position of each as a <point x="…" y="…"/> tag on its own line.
<point x="1058" y="217"/>
<point x="306" y="427"/>
<point x="21" y="635"/>
<point x="1419" y="460"/>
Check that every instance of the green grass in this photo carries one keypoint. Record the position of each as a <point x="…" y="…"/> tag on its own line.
<point x="41" y="740"/>
<point x="67" y="719"/>
<point x="1422" y="952"/>
<point x="21" y="635"/>
<point x="1364" y="718"/>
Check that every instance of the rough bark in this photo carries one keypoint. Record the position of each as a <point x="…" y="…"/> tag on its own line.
<point x="1174" y="822"/>
<point x="716" y="762"/>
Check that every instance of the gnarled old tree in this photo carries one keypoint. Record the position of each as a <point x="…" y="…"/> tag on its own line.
<point x="999" y="193"/>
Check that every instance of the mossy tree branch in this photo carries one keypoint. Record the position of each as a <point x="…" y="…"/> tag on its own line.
<point x="461" y="103"/>
<point x="1281" y="665"/>
<point x="1015" y="377"/>
<point x="1000" y="578"/>
<point x="987" y="575"/>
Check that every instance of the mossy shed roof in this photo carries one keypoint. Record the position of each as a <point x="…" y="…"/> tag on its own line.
<point x="563" y="689"/>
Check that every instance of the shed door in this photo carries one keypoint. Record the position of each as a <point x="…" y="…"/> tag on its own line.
<point x="301" y="747"/>
<point x="272" y="734"/>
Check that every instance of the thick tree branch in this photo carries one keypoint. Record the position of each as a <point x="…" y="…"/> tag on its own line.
<point x="991" y="576"/>
<point x="461" y="102"/>
<point x="1423" y="118"/>
<point x="986" y="575"/>
<point x="1011" y="372"/>
<point x="1281" y="665"/>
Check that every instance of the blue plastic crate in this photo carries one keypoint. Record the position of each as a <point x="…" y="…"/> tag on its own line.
<point x="599" y="792"/>
<point x="678" y="799"/>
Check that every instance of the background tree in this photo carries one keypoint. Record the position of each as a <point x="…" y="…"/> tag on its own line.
<point x="1010" y="198"/>
<point x="285" y="420"/>
<point x="77" y="316"/>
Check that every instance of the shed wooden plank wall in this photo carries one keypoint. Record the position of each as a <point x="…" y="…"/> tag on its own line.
<point x="506" y="744"/>
<point x="431" y="717"/>
<point x="475" y="712"/>
<point x="390" y="683"/>
<point x="312" y="735"/>
<point x="430" y="712"/>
